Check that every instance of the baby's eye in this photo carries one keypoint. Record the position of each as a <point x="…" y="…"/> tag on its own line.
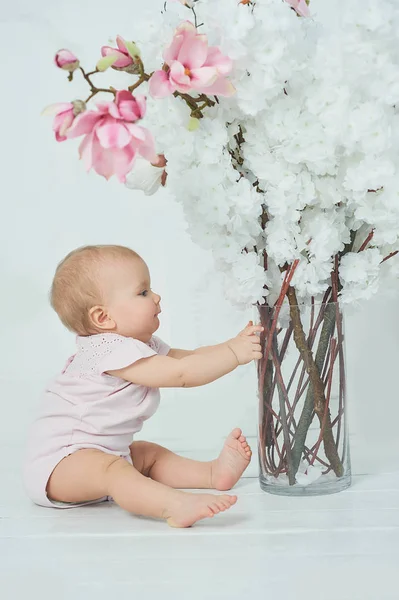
<point x="144" y="293"/>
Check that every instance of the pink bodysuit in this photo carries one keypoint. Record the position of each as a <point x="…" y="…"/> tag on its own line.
<point x="86" y="408"/>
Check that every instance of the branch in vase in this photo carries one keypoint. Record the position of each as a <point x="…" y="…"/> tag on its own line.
<point x="315" y="399"/>
<point x="301" y="387"/>
<point x="270" y="335"/>
<point x="268" y="438"/>
<point x="283" y="401"/>
<point x="314" y="327"/>
<point x="273" y="433"/>
<point x="326" y="412"/>
<point x="342" y="375"/>
<point x="326" y="369"/>
<point x="287" y="281"/>
<point x="285" y="343"/>
<point x="265" y="388"/>
<point x="328" y="317"/>
<point x="279" y="357"/>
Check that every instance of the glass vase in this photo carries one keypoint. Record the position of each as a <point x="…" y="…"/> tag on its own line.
<point x="303" y="434"/>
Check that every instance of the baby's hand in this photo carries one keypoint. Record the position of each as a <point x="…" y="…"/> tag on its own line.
<point x="250" y="329"/>
<point x="246" y="346"/>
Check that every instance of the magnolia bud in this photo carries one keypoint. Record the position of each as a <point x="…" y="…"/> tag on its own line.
<point x="64" y="59"/>
<point x="126" y="57"/>
<point x="78" y="107"/>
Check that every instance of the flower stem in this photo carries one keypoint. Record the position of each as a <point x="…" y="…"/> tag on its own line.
<point x="195" y="17"/>
<point x="93" y="89"/>
<point x="143" y="77"/>
<point x="196" y="111"/>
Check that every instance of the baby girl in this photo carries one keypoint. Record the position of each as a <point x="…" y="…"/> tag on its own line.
<point x="81" y="448"/>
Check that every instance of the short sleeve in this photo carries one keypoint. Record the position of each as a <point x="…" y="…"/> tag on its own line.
<point x="122" y="352"/>
<point x="159" y="345"/>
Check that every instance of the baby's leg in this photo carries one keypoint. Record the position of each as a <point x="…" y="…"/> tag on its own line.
<point x="92" y="474"/>
<point x="164" y="466"/>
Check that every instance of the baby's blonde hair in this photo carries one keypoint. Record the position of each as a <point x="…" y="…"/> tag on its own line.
<point x="76" y="286"/>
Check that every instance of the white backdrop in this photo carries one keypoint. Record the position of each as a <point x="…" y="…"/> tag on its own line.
<point x="50" y="205"/>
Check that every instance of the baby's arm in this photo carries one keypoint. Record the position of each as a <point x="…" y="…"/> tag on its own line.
<point x="179" y="353"/>
<point x="196" y="369"/>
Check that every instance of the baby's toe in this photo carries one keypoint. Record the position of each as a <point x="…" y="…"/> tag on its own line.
<point x="226" y="503"/>
<point x="236" y="433"/>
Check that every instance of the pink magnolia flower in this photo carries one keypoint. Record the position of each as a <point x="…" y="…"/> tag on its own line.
<point x="300" y="6"/>
<point x="124" y="60"/>
<point x="192" y="65"/>
<point x="112" y="138"/>
<point x="64" y="115"/>
<point x="64" y="59"/>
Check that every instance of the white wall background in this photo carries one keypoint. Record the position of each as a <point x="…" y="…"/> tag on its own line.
<point x="49" y="205"/>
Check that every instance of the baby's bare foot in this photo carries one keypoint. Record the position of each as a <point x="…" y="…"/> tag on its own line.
<point x="191" y="508"/>
<point x="232" y="462"/>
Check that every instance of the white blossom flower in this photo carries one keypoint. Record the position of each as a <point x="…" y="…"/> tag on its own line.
<point x="359" y="274"/>
<point x="145" y="176"/>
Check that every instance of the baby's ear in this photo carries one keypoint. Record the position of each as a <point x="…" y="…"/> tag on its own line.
<point x="100" y="318"/>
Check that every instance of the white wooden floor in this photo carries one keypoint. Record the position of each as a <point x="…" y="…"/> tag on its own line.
<point x="341" y="547"/>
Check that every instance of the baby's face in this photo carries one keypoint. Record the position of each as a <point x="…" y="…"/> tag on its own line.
<point x="131" y="303"/>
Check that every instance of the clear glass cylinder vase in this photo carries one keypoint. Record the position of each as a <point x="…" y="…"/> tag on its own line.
<point x="303" y="433"/>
